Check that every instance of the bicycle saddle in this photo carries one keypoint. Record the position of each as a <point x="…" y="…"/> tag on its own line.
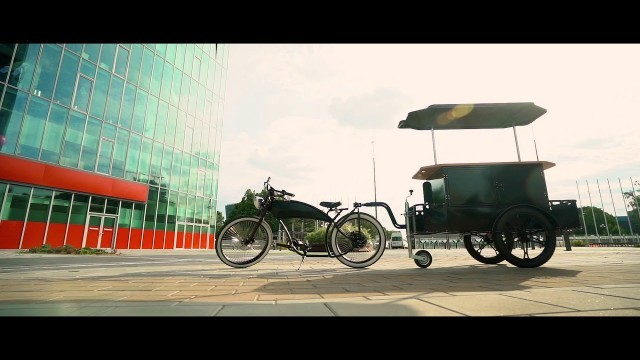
<point x="330" y="205"/>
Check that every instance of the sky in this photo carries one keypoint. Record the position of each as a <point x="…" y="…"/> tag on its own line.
<point x="316" y="118"/>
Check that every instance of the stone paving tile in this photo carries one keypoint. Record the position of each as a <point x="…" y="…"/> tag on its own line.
<point x="577" y="300"/>
<point x="599" y="313"/>
<point x="263" y="297"/>
<point x="312" y="309"/>
<point x="403" y="307"/>
<point x="492" y="305"/>
<point x="206" y="310"/>
<point x="224" y="297"/>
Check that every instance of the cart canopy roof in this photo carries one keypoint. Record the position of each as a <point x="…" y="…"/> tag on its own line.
<point x="472" y="116"/>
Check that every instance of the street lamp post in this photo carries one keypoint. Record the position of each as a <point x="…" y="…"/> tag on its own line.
<point x="375" y="196"/>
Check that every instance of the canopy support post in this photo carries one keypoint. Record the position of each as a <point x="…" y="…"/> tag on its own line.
<point x="516" y="137"/>
<point x="433" y="141"/>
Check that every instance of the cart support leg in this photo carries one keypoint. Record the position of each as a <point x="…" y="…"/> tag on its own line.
<point x="567" y="241"/>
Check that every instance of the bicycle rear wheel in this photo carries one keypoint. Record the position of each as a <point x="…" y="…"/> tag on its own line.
<point x="232" y="249"/>
<point x="360" y="242"/>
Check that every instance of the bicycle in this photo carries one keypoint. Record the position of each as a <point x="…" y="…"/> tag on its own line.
<point x="356" y="239"/>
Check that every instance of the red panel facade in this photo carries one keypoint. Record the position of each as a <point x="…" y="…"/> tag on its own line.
<point x="136" y="238"/>
<point x="25" y="171"/>
<point x="55" y="234"/>
<point x="10" y="231"/>
<point x="147" y="239"/>
<point x="168" y="240"/>
<point x="33" y="234"/>
<point x="74" y="235"/>
<point x="122" y="238"/>
<point x="158" y="240"/>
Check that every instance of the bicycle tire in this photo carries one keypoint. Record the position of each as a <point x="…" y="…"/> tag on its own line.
<point x="229" y="246"/>
<point x="359" y="248"/>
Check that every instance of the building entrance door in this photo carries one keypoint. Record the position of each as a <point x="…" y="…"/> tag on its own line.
<point x="99" y="232"/>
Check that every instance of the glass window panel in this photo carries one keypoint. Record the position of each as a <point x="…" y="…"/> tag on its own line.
<point x="199" y="210"/>
<point x="73" y="139"/>
<point x="97" y="204"/>
<point x="184" y="92"/>
<point x="182" y="122"/>
<point x="145" y="160"/>
<point x="60" y="207"/>
<point x="172" y="118"/>
<point x="196" y="69"/>
<point x="109" y="131"/>
<point x="100" y="91"/>
<point x="200" y="101"/>
<point x="79" y="209"/>
<point x="24" y="64"/>
<point x="112" y="207"/>
<point x="174" y="99"/>
<point x="88" y="69"/>
<point x="211" y="74"/>
<point x="122" y="60"/>
<point x="115" y="99"/>
<point x="83" y="94"/>
<point x="146" y="69"/>
<point x="188" y="59"/>
<point x="90" y="145"/>
<point x="150" y="213"/>
<point x="120" y="153"/>
<point x="105" y="155"/>
<point x="161" y="219"/>
<point x="152" y="113"/>
<point x="39" y="207"/>
<point x="156" y="77"/>
<point x="161" y="122"/>
<point x="77" y="48"/>
<point x="172" y="209"/>
<point x="128" y="101"/>
<point x="33" y="128"/>
<point x="138" y="216"/>
<point x="11" y="113"/>
<point x="193" y="174"/>
<point x="107" y="55"/>
<point x="67" y="78"/>
<point x="184" y="172"/>
<point x="135" y="63"/>
<point x="167" y="160"/>
<point x="193" y="95"/>
<point x="139" y="112"/>
<point x="191" y="205"/>
<point x="15" y="207"/>
<point x="182" y="207"/>
<point x="53" y="134"/>
<point x="91" y="52"/>
<point x="165" y="89"/>
<point x="188" y="139"/>
<point x="161" y="49"/>
<point x="171" y="53"/>
<point x="46" y="71"/>
<point x="156" y="162"/>
<point x="181" y="48"/>
<point x="216" y="83"/>
<point x="206" y="49"/>
<point x="133" y="156"/>
<point x="6" y="53"/>
<point x="175" y="170"/>
<point x="124" y="220"/>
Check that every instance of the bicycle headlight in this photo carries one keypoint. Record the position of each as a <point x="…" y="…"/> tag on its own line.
<point x="257" y="202"/>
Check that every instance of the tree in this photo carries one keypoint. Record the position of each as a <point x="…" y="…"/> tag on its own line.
<point x="246" y="207"/>
<point x="600" y="216"/>
<point x="633" y="202"/>
<point x="219" y="220"/>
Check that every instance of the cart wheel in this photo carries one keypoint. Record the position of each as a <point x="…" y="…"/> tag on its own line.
<point x="525" y="237"/>
<point x="482" y="248"/>
<point x="425" y="260"/>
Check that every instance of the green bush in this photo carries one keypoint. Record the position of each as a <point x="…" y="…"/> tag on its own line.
<point x="578" y="243"/>
<point x="65" y="249"/>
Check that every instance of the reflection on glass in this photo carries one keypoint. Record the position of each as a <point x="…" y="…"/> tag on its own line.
<point x="54" y="131"/>
<point x="24" y="63"/>
<point x="67" y="78"/>
<point x="46" y="71"/>
<point x="83" y="94"/>
<point x="33" y="128"/>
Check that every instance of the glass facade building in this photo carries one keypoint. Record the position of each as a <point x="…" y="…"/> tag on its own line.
<point x="112" y="146"/>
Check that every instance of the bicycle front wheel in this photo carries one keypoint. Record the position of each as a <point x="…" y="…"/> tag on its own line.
<point x="358" y="240"/>
<point x="234" y="248"/>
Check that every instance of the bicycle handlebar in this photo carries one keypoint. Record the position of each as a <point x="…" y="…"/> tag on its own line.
<point x="279" y="192"/>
